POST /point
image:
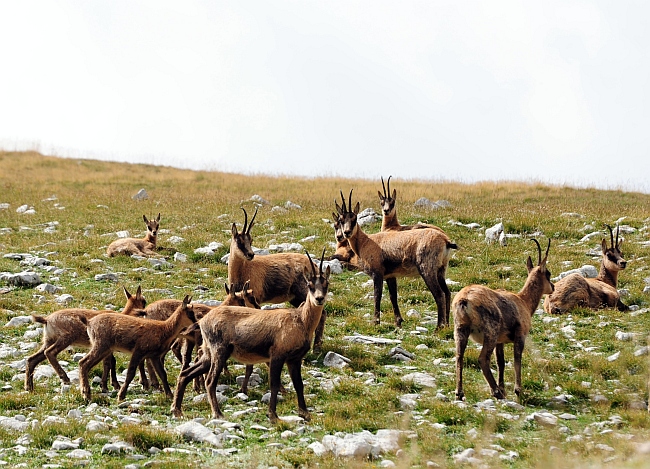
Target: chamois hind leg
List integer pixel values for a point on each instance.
(219, 357)
(461, 336)
(184, 378)
(392, 293)
(153, 380)
(51, 353)
(484, 361)
(442, 281)
(109, 370)
(378, 283)
(501, 365)
(294, 368)
(431, 279)
(518, 349)
(32, 361)
(91, 359)
(275, 369)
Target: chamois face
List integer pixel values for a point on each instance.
(540, 271)
(612, 257)
(317, 282)
(387, 203)
(152, 225)
(138, 300)
(243, 242)
(347, 217)
(338, 228)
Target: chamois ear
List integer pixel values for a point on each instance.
(144, 217)
(603, 245)
(127, 294)
(339, 209)
(138, 292)
(381, 197)
(529, 264)
(187, 300)
(394, 194)
(158, 217)
(356, 209)
(620, 242)
(307, 274)
(234, 230)
(327, 272)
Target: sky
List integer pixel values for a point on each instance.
(553, 91)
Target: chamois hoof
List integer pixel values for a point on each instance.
(273, 417)
(460, 396)
(305, 415)
(398, 322)
(178, 413)
(376, 321)
(499, 394)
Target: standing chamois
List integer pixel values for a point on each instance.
(576, 291)
(65, 328)
(389, 212)
(274, 278)
(496, 317)
(388, 255)
(140, 247)
(140, 337)
(275, 337)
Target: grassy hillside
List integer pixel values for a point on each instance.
(567, 355)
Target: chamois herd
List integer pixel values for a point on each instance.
(239, 329)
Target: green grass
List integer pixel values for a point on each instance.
(201, 207)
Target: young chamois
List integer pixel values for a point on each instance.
(389, 212)
(140, 247)
(576, 291)
(254, 336)
(497, 317)
(344, 252)
(274, 278)
(388, 255)
(65, 328)
(140, 337)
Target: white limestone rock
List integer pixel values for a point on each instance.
(194, 431)
(21, 279)
(334, 360)
(141, 195)
(421, 379)
(492, 234)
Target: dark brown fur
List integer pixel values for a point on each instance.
(65, 328)
(140, 337)
(496, 317)
(576, 291)
(388, 255)
(140, 247)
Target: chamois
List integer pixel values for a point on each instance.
(388, 255)
(496, 317)
(576, 291)
(274, 278)
(64, 328)
(344, 252)
(141, 247)
(140, 337)
(255, 336)
(389, 212)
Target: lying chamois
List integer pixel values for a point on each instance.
(262, 336)
(576, 291)
(388, 255)
(140, 247)
(140, 337)
(389, 212)
(344, 252)
(65, 328)
(496, 317)
(274, 278)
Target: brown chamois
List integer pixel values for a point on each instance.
(389, 212)
(141, 247)
(140, 337)
(388, 255)
(576, 291)
(64, 328)
(254, 336)
(344, 252)
(274, 278)
(496, 317)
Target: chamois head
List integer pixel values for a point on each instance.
(188, 309)
(348, 216)
(152, 225)
(243, 241)
(612, 256)
(318, 283)
(245, 297)
(138, 300)
(338, 228)
(387, 200)
(544, 273)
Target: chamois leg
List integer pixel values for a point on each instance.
(436, 290)
(621, 306)
(162, 373)
(518, 348)
(109, 370)
(378, 282)
(32, 361)
(461, 336)
(294, 368)
(184, 378)
(275, 369)
(501, 365)
(318, 334)
(85, 365)
(219, 357)
(51, 353)
(392, 293)
(177, 350)
(484, 361)
(247, 376)
(199, 381)
(152, 375)
(442, 281)
(136, 358)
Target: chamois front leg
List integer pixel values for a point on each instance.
(501, 365)
(461, 336)
(91, 359)
(378, 283)
(392, 293)
(294, 368)
(158, 365)
(318, 334)
(136, 358)
(621, 306)
(275, 369)
(518, 348)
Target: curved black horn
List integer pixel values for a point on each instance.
(617, 229)
(343, 201)
(539, 252)
(245, 220)
(351, 199)
(389, 185)
(382, 185)
(313, 268)
(322, 258)
(548, 248)
(611, 235)
(253, 219)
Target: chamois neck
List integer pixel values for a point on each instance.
(311, 314)
(389, 221)
(151, 238)
(610, 277)
(531, 293)
(357, 240)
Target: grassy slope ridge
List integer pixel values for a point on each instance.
(201, 206)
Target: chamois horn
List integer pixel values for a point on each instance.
(252, 220)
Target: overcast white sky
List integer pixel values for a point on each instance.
(552, 91)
